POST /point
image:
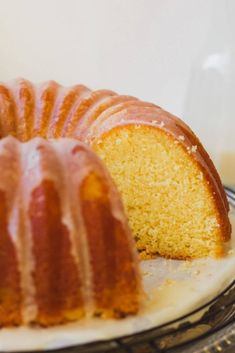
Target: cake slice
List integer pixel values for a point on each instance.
(172, 193)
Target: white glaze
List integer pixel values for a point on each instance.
(72, 217)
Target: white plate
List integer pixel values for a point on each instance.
(174, 288)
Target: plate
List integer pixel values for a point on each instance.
(178, 292)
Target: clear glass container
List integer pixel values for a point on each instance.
(210, 101)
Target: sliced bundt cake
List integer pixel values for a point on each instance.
(171, 190)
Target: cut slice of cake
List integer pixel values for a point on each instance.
(171, 190)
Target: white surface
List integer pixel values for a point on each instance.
(173, 289)
(133, 46)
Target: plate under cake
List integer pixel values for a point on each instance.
(174, 288)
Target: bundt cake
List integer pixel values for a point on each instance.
(171, 190)
(65, 247)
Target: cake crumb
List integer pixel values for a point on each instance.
(169, 282)
(118, 141)
(197, 272)
(181, 138)
(200, 176)
(194, 149)
(146, 256)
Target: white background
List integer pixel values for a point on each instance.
(140, 47)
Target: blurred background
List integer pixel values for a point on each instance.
(177, 54)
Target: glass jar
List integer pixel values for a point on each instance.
(210, 99)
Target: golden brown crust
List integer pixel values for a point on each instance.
(57, 282)
(10, 291)
(75, 128)
(46, 95)
(110, 255)
(64, 108)
(76, 270)
(23, 99)
(8, 123)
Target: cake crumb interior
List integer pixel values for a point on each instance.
(169, 205)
